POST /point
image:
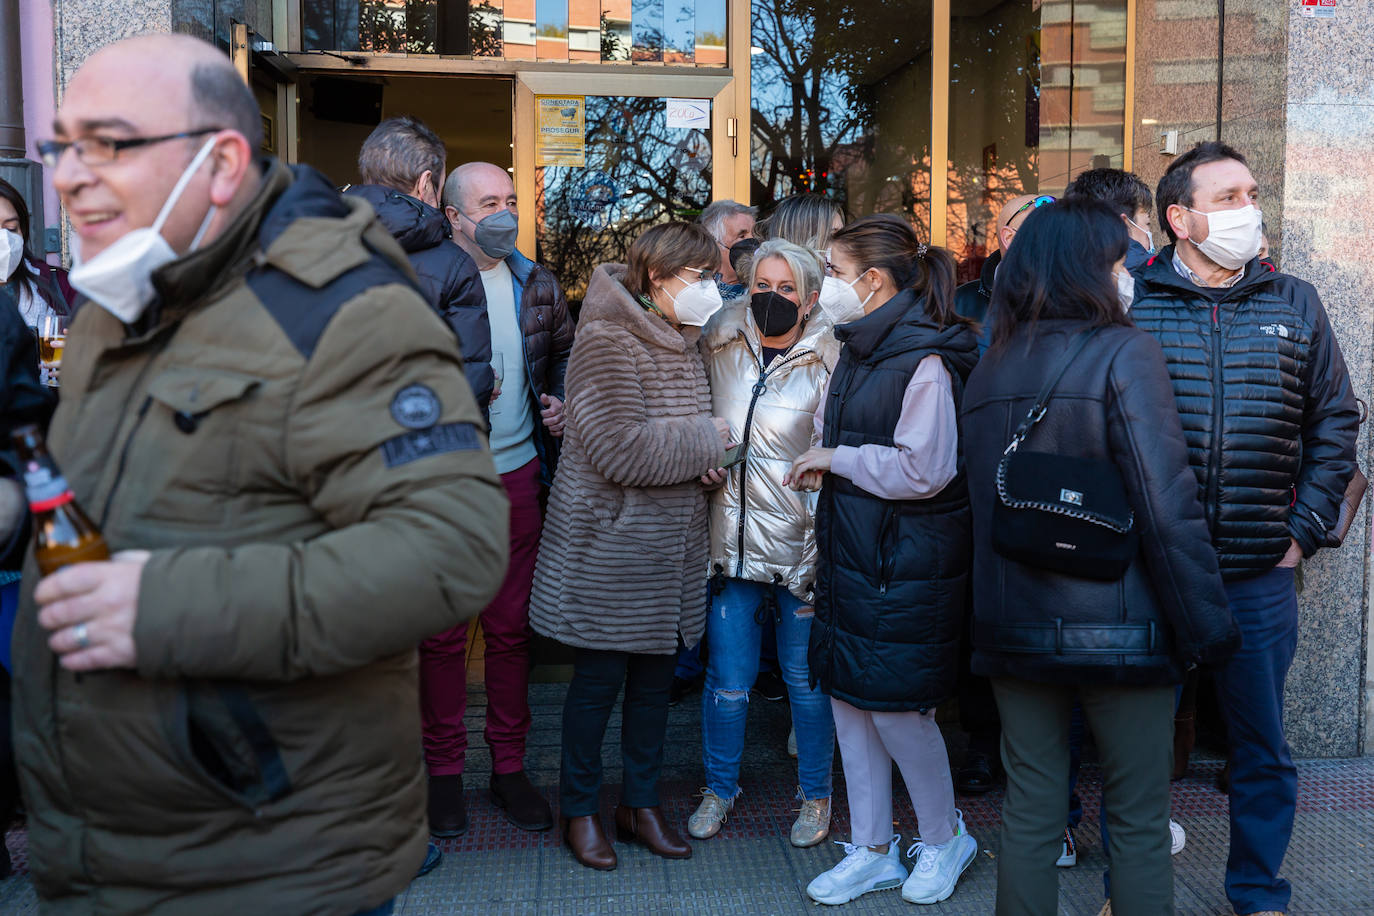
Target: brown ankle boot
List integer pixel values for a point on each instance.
(588, 842)
(647, 827)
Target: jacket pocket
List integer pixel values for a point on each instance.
(226, 745)
(184, 456)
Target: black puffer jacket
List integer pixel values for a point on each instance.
(892, 574)
(1266, 402)
(971, 299)
(448, 277)
(546, 329)
(1113, 403)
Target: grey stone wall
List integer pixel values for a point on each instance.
(1297, 98)
(1329, 171)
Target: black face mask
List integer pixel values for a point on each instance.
(775, 315)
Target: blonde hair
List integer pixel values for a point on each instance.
(802, 262)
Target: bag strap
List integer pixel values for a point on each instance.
(1037, 411)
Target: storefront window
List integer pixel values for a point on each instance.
(843, 108)
(591, 31)
(1037, 95)
(638, 172)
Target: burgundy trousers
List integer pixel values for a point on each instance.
(506, 630)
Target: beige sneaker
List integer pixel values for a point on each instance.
(812, 824)
(1106, 909)
(710, 815)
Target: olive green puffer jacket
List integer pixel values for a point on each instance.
(290, 434)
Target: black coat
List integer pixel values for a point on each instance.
(971, 299)
(891, 574)
(448, 277)
(1114, 403)
(1266, 402)
(24, 399)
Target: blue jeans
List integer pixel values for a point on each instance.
(1264, 782)
(734, 630)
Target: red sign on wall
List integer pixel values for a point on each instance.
(1319, 9)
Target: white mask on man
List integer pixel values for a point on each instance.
(13, 253)
(1125, 289)
(1233, 236)
(120, 278)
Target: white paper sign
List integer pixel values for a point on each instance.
(688, 112)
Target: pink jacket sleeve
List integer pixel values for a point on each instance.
(925, 456)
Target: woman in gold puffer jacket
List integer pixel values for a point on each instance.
(768, 361)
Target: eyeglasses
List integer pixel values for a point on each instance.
(100, 150)
(704, 274)
(1037, 203)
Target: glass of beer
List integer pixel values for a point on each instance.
(52, 338)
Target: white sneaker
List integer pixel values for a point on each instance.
(860, 871)
(938, 868)
(1177, 838)
(1068, 854)
(792, 743)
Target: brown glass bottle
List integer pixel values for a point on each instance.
(62, 533)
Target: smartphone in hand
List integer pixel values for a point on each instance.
(734, 455)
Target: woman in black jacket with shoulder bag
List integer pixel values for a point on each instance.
(1094, 574)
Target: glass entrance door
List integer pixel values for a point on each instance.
(637, 172)
(596, 168)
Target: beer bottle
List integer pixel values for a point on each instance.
(63, 533)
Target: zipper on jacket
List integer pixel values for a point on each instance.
(124, 460)
(1218, 414)
(759, 388)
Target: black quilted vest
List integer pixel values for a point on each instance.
(1239, 359)
(892, 574)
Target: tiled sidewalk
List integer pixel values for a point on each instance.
(751, 869)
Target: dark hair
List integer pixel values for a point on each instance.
(888, 243)
(1060, 266)
(398, 152)
(1122, 190)
(1176, 187)
(21, 208)
(225, 101)
(803, 219)
(666, 249)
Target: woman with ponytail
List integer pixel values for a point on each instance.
(894, 544)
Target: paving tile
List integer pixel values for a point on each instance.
(750, 868)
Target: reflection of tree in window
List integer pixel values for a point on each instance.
(839, 111)
(638, 173)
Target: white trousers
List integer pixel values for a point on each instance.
(869, 742)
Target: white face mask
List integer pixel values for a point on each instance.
(839, 301)
(1125, 289)
(120, 278)
(13, 254)
(697, 303)
(1149, 236)
(1233, 236)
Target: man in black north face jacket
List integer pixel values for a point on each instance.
(1270, 421)
(402, 167)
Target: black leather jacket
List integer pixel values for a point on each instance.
(448, 277)
(1114, 403)
(1266, 402)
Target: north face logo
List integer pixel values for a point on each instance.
(1275, 330)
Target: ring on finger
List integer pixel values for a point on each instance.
(82, 636)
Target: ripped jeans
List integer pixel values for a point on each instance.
(734, 629)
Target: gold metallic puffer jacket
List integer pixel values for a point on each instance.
(761, 530)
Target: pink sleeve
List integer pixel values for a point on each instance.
(925, 456)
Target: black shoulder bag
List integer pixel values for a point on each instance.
(1060, 512)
